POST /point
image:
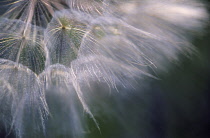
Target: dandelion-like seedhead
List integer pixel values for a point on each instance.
(62, 57)
(64, 35)
(25, 47)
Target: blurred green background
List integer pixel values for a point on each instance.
(176, 106)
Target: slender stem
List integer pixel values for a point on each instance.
(30, 15)
(23, 42)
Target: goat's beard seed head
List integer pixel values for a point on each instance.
(22, 46)
(64, 34)
(60, 57)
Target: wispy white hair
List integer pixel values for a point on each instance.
(96, 54)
